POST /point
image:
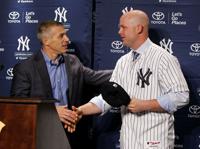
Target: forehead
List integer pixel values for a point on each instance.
(125, 20)
(57, 29)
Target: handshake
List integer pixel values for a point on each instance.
(69, 117)
(111, 92)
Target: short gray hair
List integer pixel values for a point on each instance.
(45, 26)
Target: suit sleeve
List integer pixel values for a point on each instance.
(93, 77)
(96, 77)
(20, 83)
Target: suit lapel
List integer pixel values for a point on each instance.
(43, 72)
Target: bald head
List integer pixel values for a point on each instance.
(137, 17)
(134, 26)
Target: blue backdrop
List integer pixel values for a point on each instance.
(174, 25)
(19, 20)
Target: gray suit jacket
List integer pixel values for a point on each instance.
(31, 78)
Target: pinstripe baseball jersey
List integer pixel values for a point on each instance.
(153, 74)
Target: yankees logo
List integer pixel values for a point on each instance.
(143, 78)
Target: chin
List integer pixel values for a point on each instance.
(64, 50)
(124, 43)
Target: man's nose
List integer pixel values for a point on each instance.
(120, 31)
(67, 39)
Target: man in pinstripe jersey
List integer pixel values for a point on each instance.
(155, 83)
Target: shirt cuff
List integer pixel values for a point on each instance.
(171, 102)
(100, 103)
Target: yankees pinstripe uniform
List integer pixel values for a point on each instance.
(153, 74)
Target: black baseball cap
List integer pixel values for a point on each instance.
(114, 94)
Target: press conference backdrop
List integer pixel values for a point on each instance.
(19, 21)
(174, 25)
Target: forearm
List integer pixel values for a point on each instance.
(96, 77)
(137, 105)
(170, 103)
(152, 105)
(89, 109)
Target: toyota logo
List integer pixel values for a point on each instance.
(10, 72)
(195, 109)
(195, 47)
(13, 15)
(117, 44)
(158, 16)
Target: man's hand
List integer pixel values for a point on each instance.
(68, 117)
(71, 128)
(136, 106)
(78, 111)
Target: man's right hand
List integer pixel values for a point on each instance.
(78, 111)
(68, 117)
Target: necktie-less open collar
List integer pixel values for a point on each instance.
(59, 60)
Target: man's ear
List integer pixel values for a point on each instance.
(140, 28)
(45, 41)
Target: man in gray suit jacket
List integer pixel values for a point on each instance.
(51, 73)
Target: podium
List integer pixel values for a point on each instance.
(31, 123)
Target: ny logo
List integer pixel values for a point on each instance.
(23, 43)
(61, 14)
(143, 78)
(167, 45)
(125, 10)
